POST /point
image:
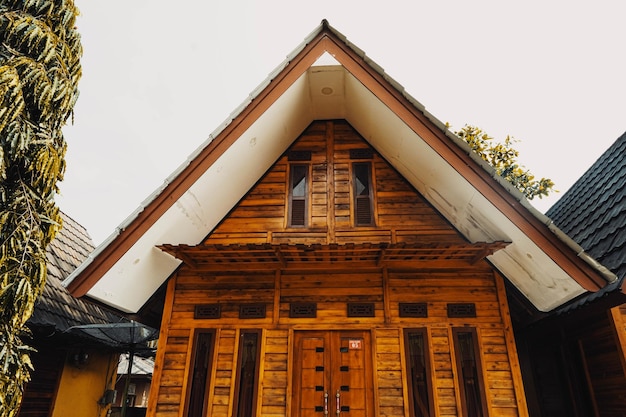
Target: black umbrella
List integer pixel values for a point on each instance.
(127, 336)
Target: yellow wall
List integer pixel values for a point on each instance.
(82, 386)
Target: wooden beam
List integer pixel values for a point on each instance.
(511, 347)
(617, 319)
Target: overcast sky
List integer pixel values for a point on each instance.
(159, 77)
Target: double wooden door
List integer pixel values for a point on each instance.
(333, 374)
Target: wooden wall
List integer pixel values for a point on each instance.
(575, 365)
(400, 212)
(402, 216)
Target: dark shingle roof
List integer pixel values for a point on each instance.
(56, 307)
(593, 210)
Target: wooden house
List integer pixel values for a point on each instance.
(334, 249)
(71, 373)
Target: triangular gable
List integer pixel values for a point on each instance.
(543, 263)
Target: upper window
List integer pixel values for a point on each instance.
(298, 195)
(362, 191)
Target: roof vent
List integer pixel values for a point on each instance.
(207, 311)
(302, 310)
(252, 311)
(413, 309)
(361, 310)
(299, 156)
(461, 310)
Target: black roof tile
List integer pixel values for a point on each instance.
(56, 307)
(593, 210)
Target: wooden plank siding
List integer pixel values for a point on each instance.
(401, 216)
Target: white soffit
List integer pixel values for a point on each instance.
(143, 268)
(535, 274)
(329, 92)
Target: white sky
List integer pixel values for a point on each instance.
(159, 77)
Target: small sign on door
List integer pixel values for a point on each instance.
(355, 344)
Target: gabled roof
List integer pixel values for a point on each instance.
(593, 210)
(327, 77)
(56, 309)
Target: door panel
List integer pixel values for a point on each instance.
(332, 374)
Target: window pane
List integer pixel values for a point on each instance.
(298, 180)
(298, 195)
(362, 179)
(363, 213)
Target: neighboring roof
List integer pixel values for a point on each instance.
(593, 210)
(56, 308)
(140, 366)
(327, 77)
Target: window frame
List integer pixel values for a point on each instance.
(369, 197)
(255, 381)
(305, 198)
(482, 397)
(423, 332)
(210, 357)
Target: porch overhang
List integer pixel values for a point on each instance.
(307, 257)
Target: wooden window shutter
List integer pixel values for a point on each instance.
(362, 189)
(298, 212)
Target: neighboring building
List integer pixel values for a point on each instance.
(138, 385)
(333, 248)
(71, 372)
(576, 361)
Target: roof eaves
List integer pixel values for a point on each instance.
(615, 286)
(181, 168)
(515, 193)
(606, 274)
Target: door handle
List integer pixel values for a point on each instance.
(325, 403)
(338, 396)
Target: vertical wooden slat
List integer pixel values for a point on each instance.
(161, 348)
(290, 370)
(403, 363)
(588, 379)
(482, 368)
(620, 333)
(511, 347)
(276, 312)
(330, 178)
(386, 296)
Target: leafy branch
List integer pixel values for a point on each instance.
(40, 54)
(503, 157)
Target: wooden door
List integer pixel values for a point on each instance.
(333, 376)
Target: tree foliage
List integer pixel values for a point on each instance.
(502, 156)
(40, 54)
